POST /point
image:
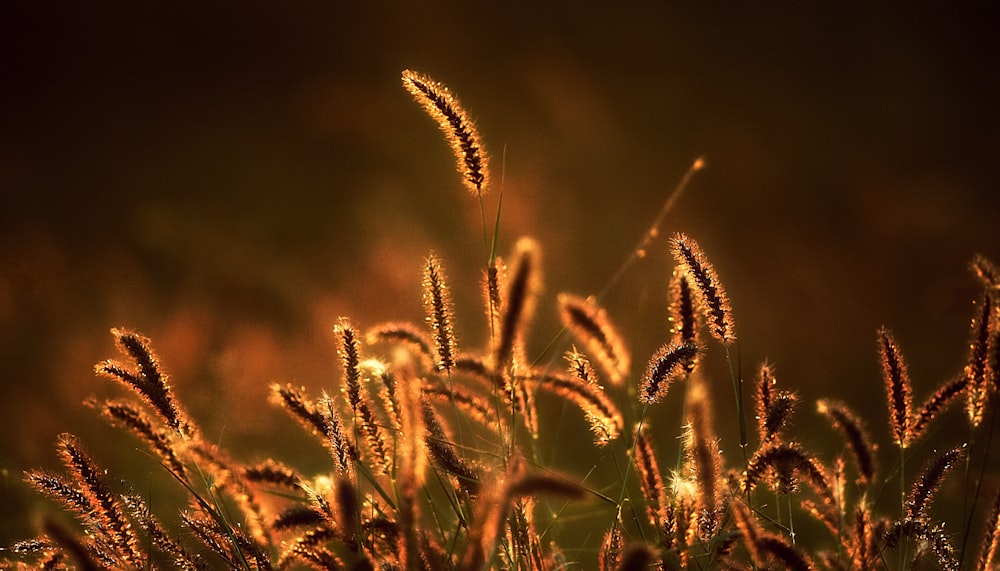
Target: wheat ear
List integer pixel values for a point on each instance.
(457, 126)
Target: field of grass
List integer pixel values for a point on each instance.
(486, 434)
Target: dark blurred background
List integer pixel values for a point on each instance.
(229, 179)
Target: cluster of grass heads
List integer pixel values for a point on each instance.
(433, 446)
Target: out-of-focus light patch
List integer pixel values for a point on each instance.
(375, 367)
(184, 342)
(246, 366)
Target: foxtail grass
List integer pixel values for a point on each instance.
(433, 455)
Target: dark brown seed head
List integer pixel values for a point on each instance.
(665, 365)
(712, 296)
(897, 382)
(519, 303)
(457, 126)
(918, 502)
(590, 325)
(977, 369)
(437, 304)
(854, 432)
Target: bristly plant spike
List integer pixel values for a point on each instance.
(855, 434)
(670, 361)
(403, 489)
(897, 382)
(457, 126)
(519, 302)
(147, 380)
(682, 316)
(437, 303)
(713, 298)
(590, 325)
(978, 373)
(918, 501)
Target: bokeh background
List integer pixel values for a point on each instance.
(229, 179)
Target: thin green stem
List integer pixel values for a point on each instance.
(738, 393)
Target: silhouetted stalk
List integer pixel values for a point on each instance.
(738, 392)
(967, 515)
(902, 503)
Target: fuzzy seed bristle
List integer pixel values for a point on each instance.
(606, 421)
(610, 555)
(919, 499)
(898, 387)
(126, 416)
(784, 461)
(991, 537)
(274, 473)
(405, 333)
(703, 451)
(977, 370)
(778, 414)
(664, 366)
(457, 126)
(437, 303)
(986, 271)
(441, 449)
(936, 404)
(765, 388)
(147, 380)
(494, 282)
(519, 302)
(108, 510)
(712, 296)
(682, 314)
(857, 437)
(591, 326)
(650, 479)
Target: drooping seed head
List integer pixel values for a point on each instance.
(456, 125)
(591, 326)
